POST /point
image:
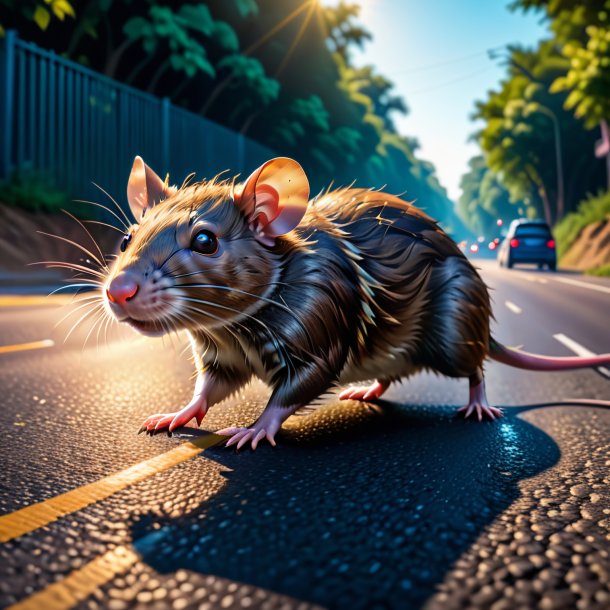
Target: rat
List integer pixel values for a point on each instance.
(354, 285)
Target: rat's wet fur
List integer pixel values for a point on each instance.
(367, 286)
(366, 283)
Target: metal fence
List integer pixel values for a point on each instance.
(63, 120)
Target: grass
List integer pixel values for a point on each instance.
(589, 211)
(603, 271)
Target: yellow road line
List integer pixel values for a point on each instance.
(80, 584)
(32, 517)
(25, 300)
(22, 347)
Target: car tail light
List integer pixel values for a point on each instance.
(550, 243)
(492, 245)
(514, 243)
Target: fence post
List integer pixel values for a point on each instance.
(165, 134)
(7, 94)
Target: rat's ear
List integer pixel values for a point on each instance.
(274, 198)
(145, 188)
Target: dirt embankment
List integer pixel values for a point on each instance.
(591, 249)
(22, 246)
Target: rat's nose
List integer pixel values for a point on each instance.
(122, 288)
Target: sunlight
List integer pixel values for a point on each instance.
(366, 6)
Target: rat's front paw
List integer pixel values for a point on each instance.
(261, 429)
(160, 421)
(242, 435)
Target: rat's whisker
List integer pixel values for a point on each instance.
(82, 319)
(186, 274)
(93, 240)
(76, 245)
(80, 276)
(236, 290)
(107, 209)
(282, 306)
(119, 208)
(90, 301)
(71, 266)
(99, 316)
(109, 320)
(82, 285)
(209, 337)
(183, 316)
(105, 224)
(274, 338)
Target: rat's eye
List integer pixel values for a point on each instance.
(204, 242)
(125, 242)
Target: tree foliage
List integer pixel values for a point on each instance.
(282, 72)
(38, 12)
(533, 136)
(344, 30)
(588, 78)
(484, 199)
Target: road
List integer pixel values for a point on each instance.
(398, 505)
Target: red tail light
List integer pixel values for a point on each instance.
(550, 243)
(514, 243)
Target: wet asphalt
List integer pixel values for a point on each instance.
(394, 505)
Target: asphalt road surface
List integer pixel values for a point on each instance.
(398, 505)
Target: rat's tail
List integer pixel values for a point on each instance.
(535, 362)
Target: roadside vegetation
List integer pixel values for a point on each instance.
(591, 210)
(603, 271)
(544, 144)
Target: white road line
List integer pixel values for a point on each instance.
(533, 278)
(588, 285)
(580, 350)
(514, 308)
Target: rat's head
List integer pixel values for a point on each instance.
(205, 254)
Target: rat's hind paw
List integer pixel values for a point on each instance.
(171, 421)
(371, 392)
(481, 411)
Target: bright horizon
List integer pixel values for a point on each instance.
(437, 57)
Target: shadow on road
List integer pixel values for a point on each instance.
(358, 507)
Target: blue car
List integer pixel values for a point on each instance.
(528, 241)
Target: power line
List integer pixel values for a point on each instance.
(447, 62)
(451, 82)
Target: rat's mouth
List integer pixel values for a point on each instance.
(153, 327)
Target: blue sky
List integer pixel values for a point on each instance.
(435, 52)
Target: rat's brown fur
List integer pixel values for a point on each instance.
(366, 286)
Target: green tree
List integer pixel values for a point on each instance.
(245, 75)
(539, 148)
(344, 31)
(484, 199)
(38, 12)
(588, 83)
(282, 72)
(582, 31)
(368, 83)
